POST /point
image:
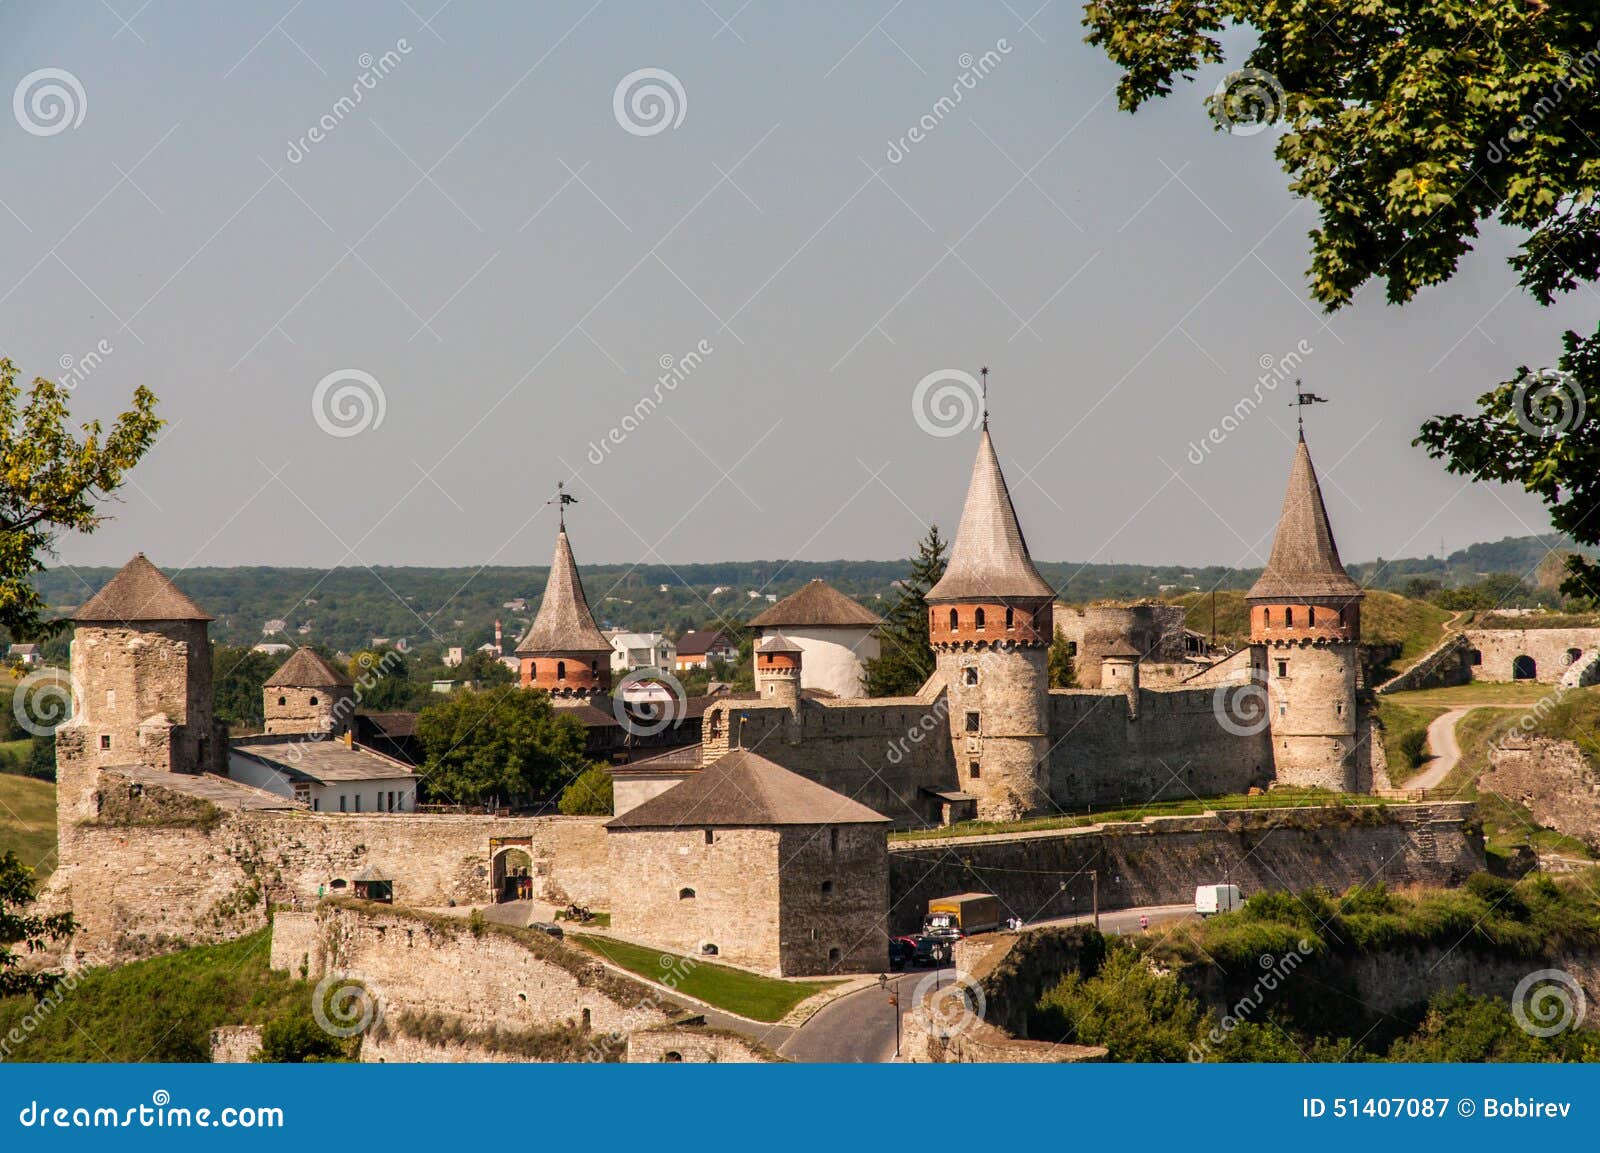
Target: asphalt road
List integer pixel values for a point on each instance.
(859, 1027)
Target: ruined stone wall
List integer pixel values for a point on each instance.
(834, 899)
(684, 889)
(883, 753)
(1176, 747)
(1161, 860)
(1550, 649)
(497, 977)
(307, 710)
(1552, 779)
(697, 1044)
(160, 870)
(1154, 630)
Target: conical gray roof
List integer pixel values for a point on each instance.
(989, 559)
(744, 788)
(564, 623)
(139, 592)
(305, 670)
(1305, 559)
(817, 603)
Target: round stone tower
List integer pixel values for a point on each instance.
(1305, 622)
(308, 695)
(989, 621)
(778, 671)
(564, 652)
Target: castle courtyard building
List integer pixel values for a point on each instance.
(836, 634)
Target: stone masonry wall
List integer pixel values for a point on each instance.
(1102, 754)
(834, 893)
(1552, 779)
(690, 1043)
(1161, 860)
(732, 889)
(158, 875)
(513, 980)
(1549, 648)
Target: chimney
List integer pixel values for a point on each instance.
(499, 645)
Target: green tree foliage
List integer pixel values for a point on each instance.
(589, 795)
(296, 1039)
(237, 675)
(1408, 125)
(30, 930)
(51, 480)
(500, 744)
(1462, 1027)
(485, 670)
(906, 658)
(384, 682)
(1062, 673)
(1135, 1012)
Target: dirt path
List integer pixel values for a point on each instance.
(1446, 752)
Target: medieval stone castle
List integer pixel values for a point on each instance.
(765, 843)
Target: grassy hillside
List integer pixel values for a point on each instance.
(1386, 618)
(28, 821)
(162, 1009)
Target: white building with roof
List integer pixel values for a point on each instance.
(642, 651)
(836, 635)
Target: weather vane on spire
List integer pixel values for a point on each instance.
(1301, 399)
(984, 372)
(561, 500)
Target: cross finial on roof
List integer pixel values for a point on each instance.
(561, 500)
(984, 372)
(1301, 399)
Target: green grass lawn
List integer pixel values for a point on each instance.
(1399, 722)
(1476, 693)
(747, 994)
(1276, 799)
(162, 1009)
(28, 821)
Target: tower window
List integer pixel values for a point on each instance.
(1266, 618)
(1283, 668)
(973, 770)
(283, 700)
(1288, 618)
(833, 840)
(954, 620)
(1341, 617)
(710, 837)
(313, 701)
(834, 956)
(685, 894)
(977, 620)
(969, 675)
(561, 670)
(1010, 619)
(827, 887)
(1338, 708)
(105, 740)
(972, 723)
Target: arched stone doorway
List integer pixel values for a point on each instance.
(511, 874)
(1524, 669)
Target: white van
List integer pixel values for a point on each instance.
(1210, 899)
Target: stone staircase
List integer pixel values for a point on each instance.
(1443, 658)
(1423, 838)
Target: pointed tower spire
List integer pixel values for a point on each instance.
(1305, 559)
(564, 623)
(989, 559)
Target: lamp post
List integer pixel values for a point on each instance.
(894, 999)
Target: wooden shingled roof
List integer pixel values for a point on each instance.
(817, 604)
(1305, 559)
(139, 592)
(742, 788)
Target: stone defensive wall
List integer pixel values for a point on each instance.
(482, 979)
(1552, 779)
(1110, 749)
(882, 752)
(1496, 654)
(159, 870)
(1161, 860)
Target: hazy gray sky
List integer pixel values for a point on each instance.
(485, 238)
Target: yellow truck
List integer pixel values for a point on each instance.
(964, 913)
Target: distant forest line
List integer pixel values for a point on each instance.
(346, 608)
